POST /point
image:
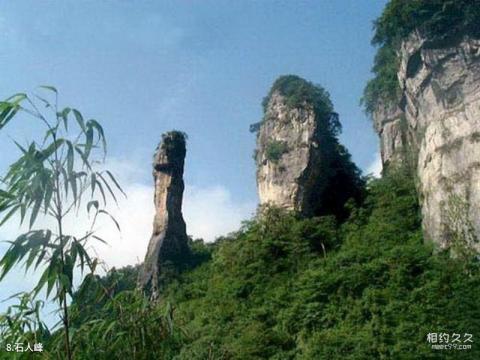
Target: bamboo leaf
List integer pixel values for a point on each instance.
(50, 133)
(108, 187)
(100, 239)
(16, 98)
(14, 254)
(41, 282)
(48, 198)
(35, 210)
(115, 182)
(93, 182)
(10, 214)
(23, 212)
(101, 135)
(52, 148)
(44, 101)
(48, 87)
(81, 253)
(40, 258)
(8, 111)
(70, 157)
(64, 116)
(65, 179)
(31, 258)
(112, 218)
(93, 203)
(22, 149)
(73, 184)
(83, 157)
(100, 187)
(88, 142)
(52, 277)
(93, 265)
(78, 116)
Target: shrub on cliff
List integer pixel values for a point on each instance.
(437, 20)
(275, 150)
(299, 93)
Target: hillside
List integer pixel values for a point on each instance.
(289, 288)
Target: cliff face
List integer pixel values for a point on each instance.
(287, 155)
(169, 241)
(436, 128)
(300, 164)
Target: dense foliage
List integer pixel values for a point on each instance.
(437, 20)
(174, 144)
(285, 287)
(290, 288)
(275, 149)
(300, 93)
(344, 183)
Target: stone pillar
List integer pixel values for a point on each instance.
(301, 165)
(169, 242)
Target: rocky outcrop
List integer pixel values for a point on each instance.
(168, 245)
(436, 128)
(287, 156)
(298, 155)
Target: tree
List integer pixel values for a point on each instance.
(55, 177)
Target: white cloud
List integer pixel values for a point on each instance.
(208, 211)
(375, 167)
(135, 216)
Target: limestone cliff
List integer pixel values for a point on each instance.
(169, 242)
(435, 127)
(298, 155)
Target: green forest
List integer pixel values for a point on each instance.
(283, 287)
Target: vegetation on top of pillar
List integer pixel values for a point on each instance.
(300, 93)
(336, 179)
(174, 144)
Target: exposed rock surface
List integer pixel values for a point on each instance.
(169, 241)
(282, 181)
(436, 128)
(298, 155)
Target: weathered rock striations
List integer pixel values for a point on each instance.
(287, 144)
(169, 241)
(298, 155)
(435, 127)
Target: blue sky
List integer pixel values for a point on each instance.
(146, 67)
